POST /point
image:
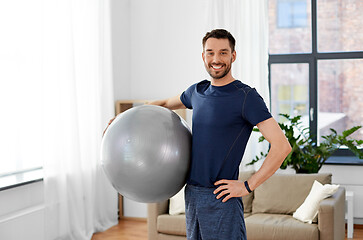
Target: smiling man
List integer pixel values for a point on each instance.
(224, 112)
(218, 60)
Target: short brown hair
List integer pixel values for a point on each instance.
(220, 34)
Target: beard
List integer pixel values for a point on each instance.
(219, 74)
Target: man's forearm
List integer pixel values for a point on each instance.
(161, 103)
(172, 103)
(272, 163)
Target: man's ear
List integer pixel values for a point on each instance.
(203, 56)
(234, 55)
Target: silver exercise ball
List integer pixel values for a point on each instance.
(145, 153)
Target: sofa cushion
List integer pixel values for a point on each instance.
(247, 200)
(279, 227)
(174, 225)
(284, 193)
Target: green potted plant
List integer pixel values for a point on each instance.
(306, 155)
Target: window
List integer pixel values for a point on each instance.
(285, 35)
(289, 85)
(291, 14)
(317, 71)
(20, 88)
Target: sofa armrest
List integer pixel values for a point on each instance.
(153, 211)
(331, 216)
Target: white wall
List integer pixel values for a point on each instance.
(152, 66)
(22, 212)
(121, 42)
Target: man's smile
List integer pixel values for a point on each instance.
(217, 67)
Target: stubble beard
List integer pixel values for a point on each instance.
(219, 75)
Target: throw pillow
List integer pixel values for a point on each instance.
(177, 203)
(309, 209)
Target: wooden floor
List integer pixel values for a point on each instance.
(125, 230)
(137, 230)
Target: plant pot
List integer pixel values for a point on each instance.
(302, 170)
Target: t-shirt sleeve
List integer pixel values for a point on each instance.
(254, 108)
(186, 97)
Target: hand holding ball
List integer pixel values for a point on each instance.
(145, 153)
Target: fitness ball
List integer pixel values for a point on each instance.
(145, 153)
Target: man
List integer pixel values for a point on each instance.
(224, 113)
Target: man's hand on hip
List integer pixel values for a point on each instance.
(230, 188)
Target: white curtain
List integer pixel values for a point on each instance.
(247, 20)
(77, 104)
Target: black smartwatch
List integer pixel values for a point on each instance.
(247, 187)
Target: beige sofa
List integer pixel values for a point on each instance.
(268, 212)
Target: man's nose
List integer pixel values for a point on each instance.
(216, 58)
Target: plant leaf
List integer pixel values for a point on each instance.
(348, 132)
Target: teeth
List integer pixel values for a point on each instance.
(215, 67)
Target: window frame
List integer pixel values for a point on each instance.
(312, 60)
(21, 177)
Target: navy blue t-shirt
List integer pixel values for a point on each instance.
(223, 118)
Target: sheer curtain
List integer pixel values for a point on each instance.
(247, 20)
(77, 104)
